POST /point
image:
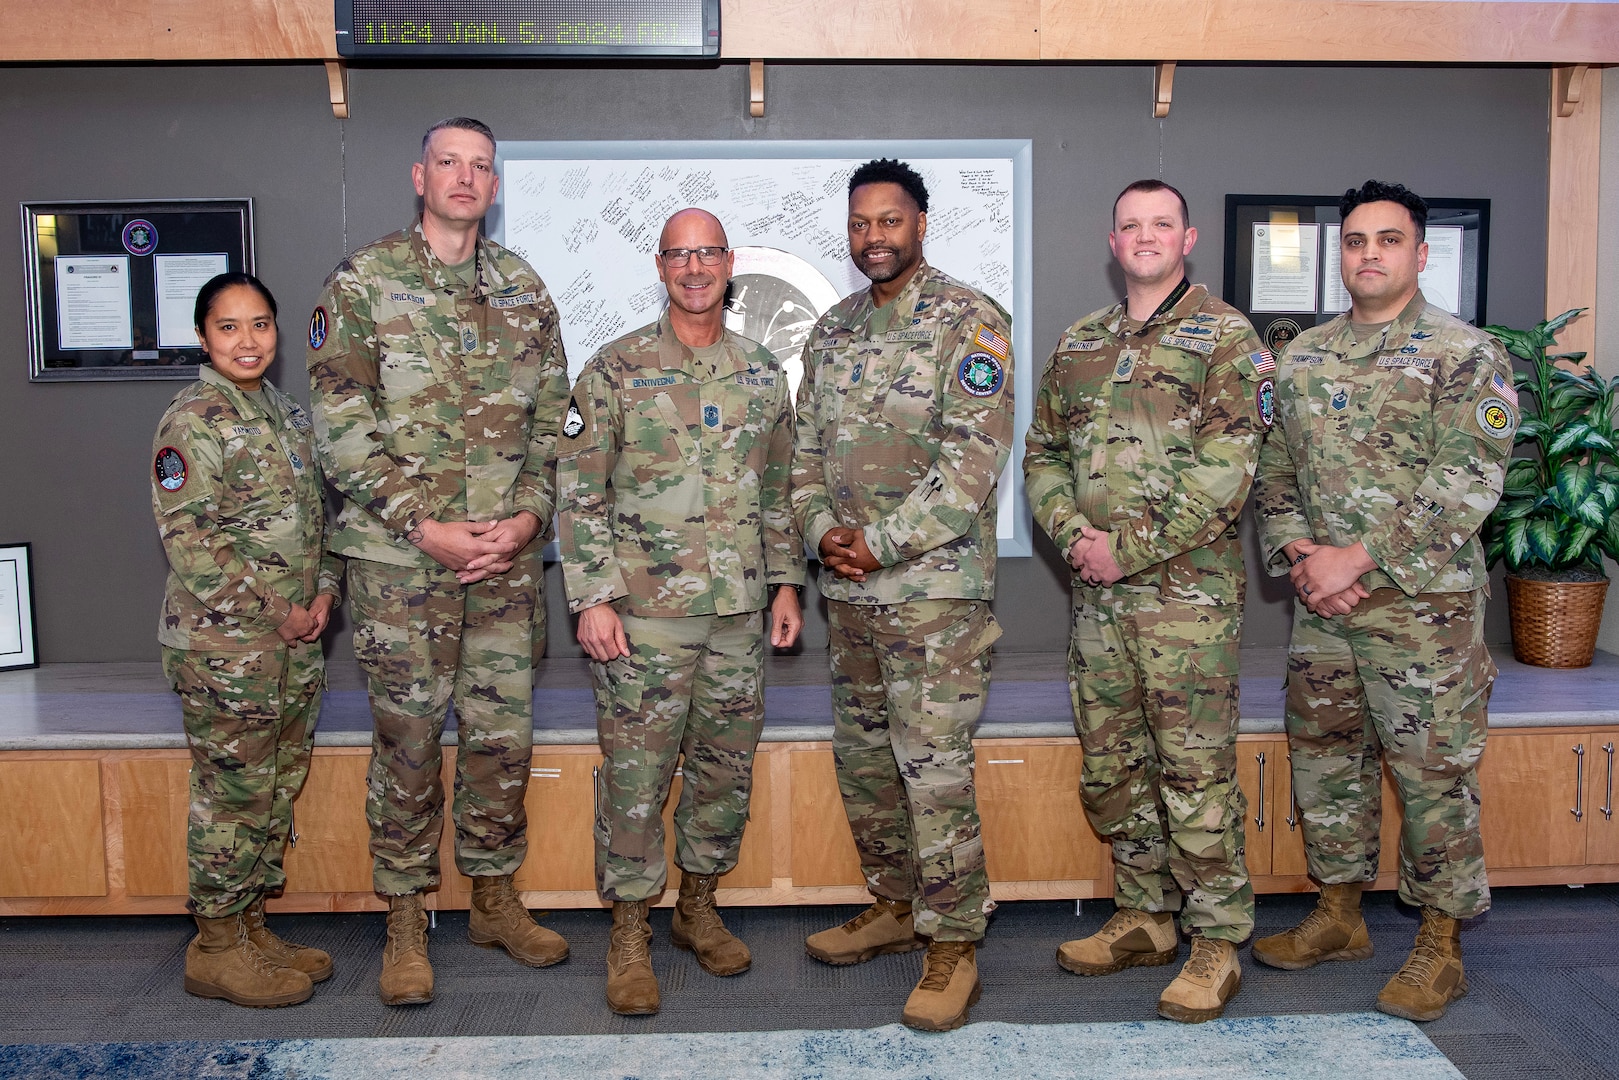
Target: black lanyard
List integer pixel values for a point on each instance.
(1169, 303)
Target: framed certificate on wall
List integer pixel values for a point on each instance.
(19, 639)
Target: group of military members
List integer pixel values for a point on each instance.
(687, 487)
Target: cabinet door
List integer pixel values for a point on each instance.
(561, 806)
(1260, 768)
(52, 841)
(1601, 815)
(1529, 785)
(333, 852)
(154, 797)
(1034, 824)
(823, 848)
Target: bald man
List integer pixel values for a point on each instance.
(676, 536)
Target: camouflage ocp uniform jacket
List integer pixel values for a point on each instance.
(1399, 442)
(433, 399)
(237, 496)
(1152, 433)
(672, 478)
(903, 433)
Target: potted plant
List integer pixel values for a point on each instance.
(1556, 518)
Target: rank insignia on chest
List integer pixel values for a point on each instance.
(1339, 400)
(469, 339)
(855, 372)
(1125, 367)
(980, 374)
(574, 423)
(171, 469)
(297, 462)
(711, 415)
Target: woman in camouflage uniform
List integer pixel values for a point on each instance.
(237, 495)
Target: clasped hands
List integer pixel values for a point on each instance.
(477, 549)
(844, 552)
(1327, 578)
(1091, 556)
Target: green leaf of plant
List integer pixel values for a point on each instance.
(1575, 481)
(1574, 543)
(1596, 440)
(1532, 428)
(1610, 537)
(1544, 540)
(1571, 436)
(1518, 342)
(1592, 512)
(1523, 478)
(1516, 541)
(1557, 322)
(1513, 508)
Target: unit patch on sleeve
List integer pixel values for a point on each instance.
(574, 422)
(1265, 398)
(980, 374)
(1495, 418)
(170, 467)
(317, 328)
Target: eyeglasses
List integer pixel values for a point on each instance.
(708, 256)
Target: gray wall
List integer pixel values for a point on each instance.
(79, 454)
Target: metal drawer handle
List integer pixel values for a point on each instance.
(1579, 782)
(1292, 818)
(1607, 809)
(1259, 818)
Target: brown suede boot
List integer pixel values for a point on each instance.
(407, 977)
(1432, 976)
(1131, 938)
(316, 963)
(632, 988)
(221, 962)
(698, 928)
(949, 987)
(499, 918)
(884, 927)
(1210, 978)
(1334, 930)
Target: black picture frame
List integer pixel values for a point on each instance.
(19, 630)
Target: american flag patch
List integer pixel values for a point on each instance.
(990, 341)
(1499, 383)
(1264, 362)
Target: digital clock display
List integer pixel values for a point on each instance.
(528, 28)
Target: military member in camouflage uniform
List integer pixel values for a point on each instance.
(1139, 459)
(1394, 424)
(438, 373)
(238, 499)
(904, 426)
(673, 470)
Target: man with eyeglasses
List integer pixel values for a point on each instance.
(676, 533)
(904, 426)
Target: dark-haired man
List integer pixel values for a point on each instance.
(438, 380)
(1394, 424)
(904, 426)
(1139, 459)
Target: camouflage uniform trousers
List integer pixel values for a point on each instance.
(1408, 679)
(1154, 689)
(250, 722)
(693, 688)
(422, 638)
(908, 684)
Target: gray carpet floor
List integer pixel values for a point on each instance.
(1543, 967)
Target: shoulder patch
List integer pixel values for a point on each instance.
(1264, 362)
(1265, 399)
(980, 374)
(317, 328)
(992, 343)
(170, 467)
(1495, 418)
(574, 422)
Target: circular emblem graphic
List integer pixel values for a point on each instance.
(775, 298)
(981, 374)
(1280, 333)
(170, 468)
(1265, 398)
(574, 423)
(140, 237)
(1495, 418)
(317, 328)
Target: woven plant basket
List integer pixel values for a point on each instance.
(1555, 623)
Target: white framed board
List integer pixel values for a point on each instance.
(586, 215)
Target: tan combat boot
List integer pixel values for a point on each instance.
(407, 977)
(884, 927)
(632, 988)
(1334, 930)
(949, 987)
(697, 927)
(316, 963)
(1432, 976)
(221, 962)
(499, 918)
(1131, 938)
(1210, 978)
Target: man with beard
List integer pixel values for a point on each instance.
(904, 426)
(673, 470)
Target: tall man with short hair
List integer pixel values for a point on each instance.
(1140, 456)
(904, 426)
(435, 357)
(1395, 423)
(676, 531)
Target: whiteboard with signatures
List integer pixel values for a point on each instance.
(586, 215)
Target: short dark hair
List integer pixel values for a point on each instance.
(890, 171)
(464, 123)
(218, 284)
(1377, 191)
(1149, 186)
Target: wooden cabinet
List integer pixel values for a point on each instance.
(1543, 798)
(52, 843)
(1288, 859)
(1034, 824)
(1601, 815)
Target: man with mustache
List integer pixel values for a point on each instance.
(1394, 422)
(1139, 459)
(904, 426)
(673, 468)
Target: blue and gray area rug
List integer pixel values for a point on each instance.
(1291, 1047)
